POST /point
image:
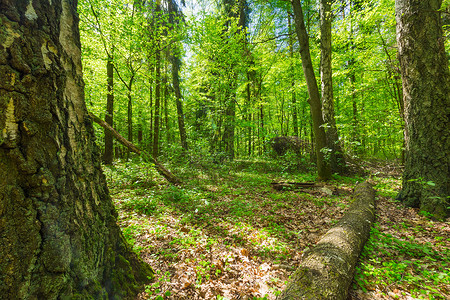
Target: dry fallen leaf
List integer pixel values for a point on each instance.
(244, 252)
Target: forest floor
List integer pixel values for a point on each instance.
(227, 234)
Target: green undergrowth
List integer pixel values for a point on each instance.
(405, 254)
(233, 206)
(388, 260)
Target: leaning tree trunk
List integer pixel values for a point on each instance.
(323, 167)
(131, 147)
(58, 233)
(326, 271)
(426, 95)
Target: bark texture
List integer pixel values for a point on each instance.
(58, 233)
(326, 271)
(323, 167)
(426, 96)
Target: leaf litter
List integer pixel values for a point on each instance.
(237, 238)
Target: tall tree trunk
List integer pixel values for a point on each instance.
(130, 111)
(235, 10)
(150, 83)
(294, 100)
(426, 94)
(108, 155)
(173, 13)
(356, 140)
(323, 167)
(157, 117)
(248, 113)
(180, 114)
(337, 161)
(229, 123)
(59, 238)
(166, 105)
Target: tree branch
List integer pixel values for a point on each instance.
(159, 167)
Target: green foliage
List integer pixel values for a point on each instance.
(141, 205)
(250, 70)
(392, 260)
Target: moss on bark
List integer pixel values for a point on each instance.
(59, 238)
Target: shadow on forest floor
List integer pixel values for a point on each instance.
(226, 234)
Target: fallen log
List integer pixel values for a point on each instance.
(292, 185)
(326, 271)
(158, 166)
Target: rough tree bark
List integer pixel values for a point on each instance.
(323, 167)
(426, 95)
(326, 271)
(58, 233)
(337, 161)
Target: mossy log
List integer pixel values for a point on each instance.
(326, 271)
(159, 167)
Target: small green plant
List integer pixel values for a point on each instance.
(154, 290)
(141, 205)
(389, 260)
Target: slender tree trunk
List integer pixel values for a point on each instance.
(323, 166)
(157, 117)
(166, 107)
(228, 137)
(356, 141)
(294, 100)
(180, 114)
(248, 113)
(109, 116)
(59, 238)
(130, 112)
(150, 82)
(337, 161)
(261, 127)
(229, 123)
(426, 94)
(140, 130)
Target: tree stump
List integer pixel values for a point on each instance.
(327, 270)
